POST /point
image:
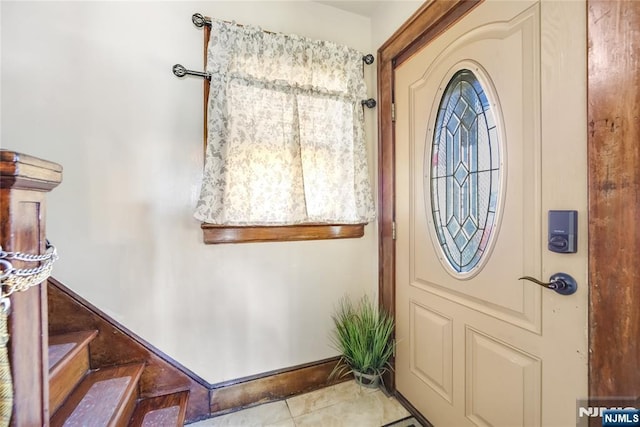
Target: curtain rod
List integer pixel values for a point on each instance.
(181, 71)
(200, 21)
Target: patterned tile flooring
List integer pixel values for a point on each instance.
(341, 405)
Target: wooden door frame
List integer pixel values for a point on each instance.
(613, 99)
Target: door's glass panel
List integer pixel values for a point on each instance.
(464, 176)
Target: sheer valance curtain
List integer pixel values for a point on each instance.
(286, 138)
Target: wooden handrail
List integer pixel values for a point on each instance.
(24, 182)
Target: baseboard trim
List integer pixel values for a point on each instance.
(271, 386)
(412, 410)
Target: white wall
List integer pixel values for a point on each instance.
(89, 85)
(387, 16)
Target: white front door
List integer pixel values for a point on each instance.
(503, 95)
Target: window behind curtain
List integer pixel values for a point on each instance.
(285, 131)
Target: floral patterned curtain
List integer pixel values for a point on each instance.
(285, 131)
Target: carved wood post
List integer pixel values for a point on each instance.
(24, 182)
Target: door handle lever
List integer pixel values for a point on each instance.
(562, 283)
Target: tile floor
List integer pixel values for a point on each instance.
(344, 404)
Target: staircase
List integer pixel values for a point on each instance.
(82, 396)
(71, 364)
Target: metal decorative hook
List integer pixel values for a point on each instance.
(562, 283)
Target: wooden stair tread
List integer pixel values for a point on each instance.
(64, 346)
(104, 398)
(68, 364)
(161, 411)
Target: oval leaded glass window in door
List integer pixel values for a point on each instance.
(465, 173)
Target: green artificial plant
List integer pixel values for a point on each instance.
(363, 335)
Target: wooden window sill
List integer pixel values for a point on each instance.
(214, 234)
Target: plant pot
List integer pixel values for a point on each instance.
(367, 380)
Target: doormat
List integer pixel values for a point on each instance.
(405, 422)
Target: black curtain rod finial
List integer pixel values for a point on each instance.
(369, 103)
(368, 59)
(199, 20)
(180, 71)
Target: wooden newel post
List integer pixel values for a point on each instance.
(24, 182)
